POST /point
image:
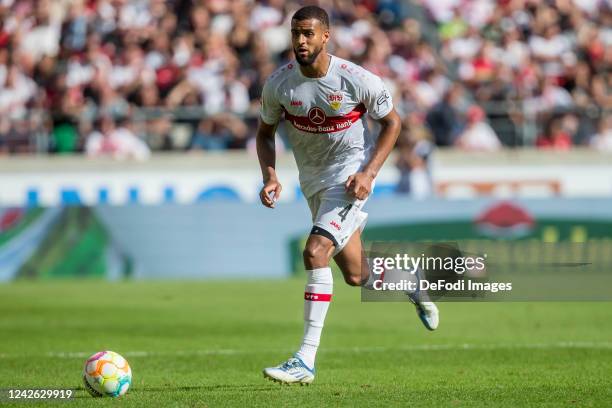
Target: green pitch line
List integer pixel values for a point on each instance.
(202, 344)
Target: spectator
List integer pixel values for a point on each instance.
(602, 141)
(442, 118)
(118, 142)
(413, 160)
(478, 135)
(219, 132)
(16, 90)
(554, 137)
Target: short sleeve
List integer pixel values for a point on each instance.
(271, 110)
(376, 97)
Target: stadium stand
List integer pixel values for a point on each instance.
(187, 74)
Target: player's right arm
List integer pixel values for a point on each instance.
(266, 149)
(266, 152)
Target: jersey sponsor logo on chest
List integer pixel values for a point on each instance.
(316, 115)
(316, 121)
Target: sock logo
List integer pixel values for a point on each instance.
(317, 297)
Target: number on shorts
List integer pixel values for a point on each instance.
(344, 212)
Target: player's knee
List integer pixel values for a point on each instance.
(352, 280)
(316, 254)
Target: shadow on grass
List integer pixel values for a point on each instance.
(216, 387)
(203, 388)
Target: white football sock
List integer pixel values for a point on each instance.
(317, 295)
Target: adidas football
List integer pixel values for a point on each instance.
(107, 374)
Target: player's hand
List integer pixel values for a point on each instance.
(270, 193)
(359, 185)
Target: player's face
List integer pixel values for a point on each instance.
(308, 38)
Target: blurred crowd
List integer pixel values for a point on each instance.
(125, 77)
(554, 56)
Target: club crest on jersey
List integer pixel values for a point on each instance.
(335, 100)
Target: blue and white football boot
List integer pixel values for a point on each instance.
(425, 308)
(427, 312)
(292, 371)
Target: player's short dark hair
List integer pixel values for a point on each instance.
(308, 12)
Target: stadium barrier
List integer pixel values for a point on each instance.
(517, 123)
(196, 178)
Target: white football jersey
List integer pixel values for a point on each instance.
(326, 119)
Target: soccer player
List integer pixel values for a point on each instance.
(325, 99)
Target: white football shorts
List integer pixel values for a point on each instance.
(336, 215)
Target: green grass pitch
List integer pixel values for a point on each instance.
(203, 344)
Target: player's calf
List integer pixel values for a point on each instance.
(352, 263)
(353, 280)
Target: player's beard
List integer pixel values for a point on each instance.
(308, 60)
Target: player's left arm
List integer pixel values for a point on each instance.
(360, 184)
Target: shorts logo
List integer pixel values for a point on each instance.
(335, 100)
(335, 225)
(316, 115)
